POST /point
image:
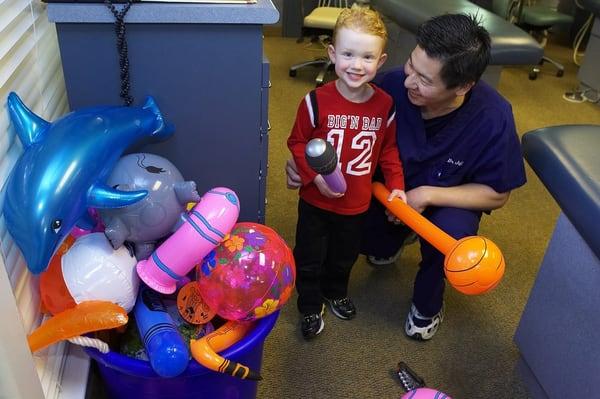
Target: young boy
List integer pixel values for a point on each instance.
(357, 118)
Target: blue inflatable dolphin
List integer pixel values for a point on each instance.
(62, 171)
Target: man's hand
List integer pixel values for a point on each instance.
(472, 196)
(324, 188)
(418, 198)
(293, 178)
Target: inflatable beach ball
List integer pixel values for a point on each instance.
(249, 275)
(93, 270)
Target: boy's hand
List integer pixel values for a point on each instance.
(293, 177)
(324, 188)
(395, 194)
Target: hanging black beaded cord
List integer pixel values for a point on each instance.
(122, 48)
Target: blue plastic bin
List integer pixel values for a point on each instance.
(127, 378)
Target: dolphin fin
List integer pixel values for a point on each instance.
(29, 127)
(163, 129)
(103, 196)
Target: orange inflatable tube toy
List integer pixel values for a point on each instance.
(204, 350)
(473, 265)
(86, 317)
(53, 290)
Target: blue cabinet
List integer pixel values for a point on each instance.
(204, 65)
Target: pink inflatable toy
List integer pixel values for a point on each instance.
(425, 393)
(77, 232)
(205, 226)
(248, 276)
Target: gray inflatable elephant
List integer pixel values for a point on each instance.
(158, 214)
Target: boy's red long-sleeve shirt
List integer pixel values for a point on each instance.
(363, 135)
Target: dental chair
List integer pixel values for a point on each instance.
(535, 19)
(557, 335)
(319, 24)
(588, 76)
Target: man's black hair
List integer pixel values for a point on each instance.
(460, 43)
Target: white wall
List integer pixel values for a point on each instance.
(30, 66)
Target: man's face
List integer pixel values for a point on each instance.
(424, 83)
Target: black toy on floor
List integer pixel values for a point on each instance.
(408, 378)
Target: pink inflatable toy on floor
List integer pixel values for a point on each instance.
(425, 393)
(414, 385)
(204, 228)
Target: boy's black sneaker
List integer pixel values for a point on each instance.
(342, 308)
(313, 324)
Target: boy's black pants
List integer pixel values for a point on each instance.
(327, 245)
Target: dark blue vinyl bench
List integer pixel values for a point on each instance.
(558, 335)
(510, 44)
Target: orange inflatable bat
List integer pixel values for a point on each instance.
(204, 350)
(86, 317)
(473, 265)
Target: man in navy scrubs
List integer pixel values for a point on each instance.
(460, 151)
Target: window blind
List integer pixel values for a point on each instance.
(30, 66)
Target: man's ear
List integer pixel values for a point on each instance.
(464, 89)
(382, 60)
(331, 53)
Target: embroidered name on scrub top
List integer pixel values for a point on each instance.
(434, 126)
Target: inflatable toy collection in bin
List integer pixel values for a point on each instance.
(93, 282)
(125, 377)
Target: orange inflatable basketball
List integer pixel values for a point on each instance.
(474, 266)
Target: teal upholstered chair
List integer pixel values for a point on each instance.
(537, 19)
